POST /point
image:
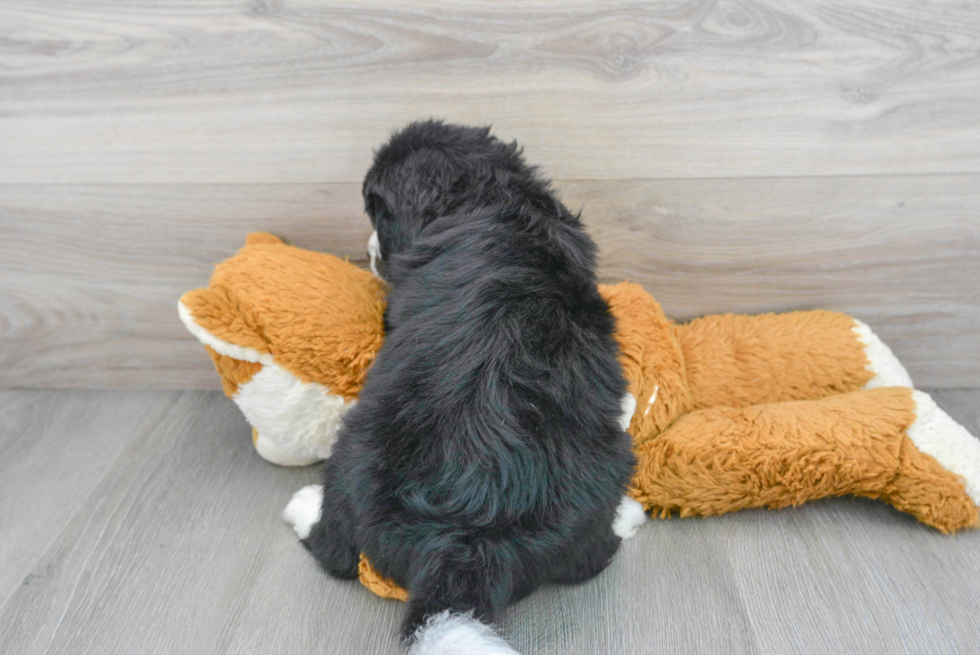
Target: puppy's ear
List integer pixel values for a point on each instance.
(376, 208)
(393, 235)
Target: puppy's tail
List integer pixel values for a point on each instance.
(454, 633)
(452, 601)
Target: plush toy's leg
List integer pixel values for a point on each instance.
(884, 366)
(735, 360)
(937, 434)
(297, 422)
(881, 443)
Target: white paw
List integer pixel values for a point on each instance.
(303, 510)
(935, 433)
(374, 252)
(629, 517)
(628, 405)
(888, 371)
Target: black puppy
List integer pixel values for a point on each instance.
(487, 454)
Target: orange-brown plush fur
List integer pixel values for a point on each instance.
(318, 316)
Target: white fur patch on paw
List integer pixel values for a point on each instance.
(303, 510)
(449, 633)
(374, 252)
(935, 433)
(629, 517)
(888, 371)
(628, 405)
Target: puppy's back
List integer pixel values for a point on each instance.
(492, 412)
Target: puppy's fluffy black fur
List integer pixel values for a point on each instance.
(484, 457)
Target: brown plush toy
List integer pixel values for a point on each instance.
(731, 411)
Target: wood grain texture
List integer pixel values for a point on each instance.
(902, 254)
(161, 553)
(178, 547)
(266, 91)
(90, 276)
(871, 579)
(56, 449)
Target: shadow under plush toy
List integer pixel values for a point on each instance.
(731, 411)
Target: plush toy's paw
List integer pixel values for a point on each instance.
(935, 433)
(628, 405)
(888, 371)
(270, 451)
(299, 420)
(629, 517)
(303, 511)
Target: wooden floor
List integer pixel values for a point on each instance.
(143, 522)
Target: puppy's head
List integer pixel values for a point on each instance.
(431, 169)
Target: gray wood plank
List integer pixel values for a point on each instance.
(669, 590)
(179, 548)
(56, 449)
(855, 576)
(902, 254)
(259, 92)
(162, 549)
(633, 607)
(90, 275)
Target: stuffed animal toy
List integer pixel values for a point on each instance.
(292, 334)
(730, 411)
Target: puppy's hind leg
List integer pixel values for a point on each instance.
(324, 520)
(628, 519)
(592, 562)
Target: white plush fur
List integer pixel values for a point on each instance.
(303, 510)
(374, 252)
(297, 421)
(629, 517)
(888, 371)
(271, 451)
(935, 433)
(301, 417)
(448, 633)
(220, 346)
(628, 406)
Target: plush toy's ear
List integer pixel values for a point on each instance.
(319, 317)
(255, 238)
(218, 318)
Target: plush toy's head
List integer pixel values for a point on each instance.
(292, 334)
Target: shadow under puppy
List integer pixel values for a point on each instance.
(487, 453)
